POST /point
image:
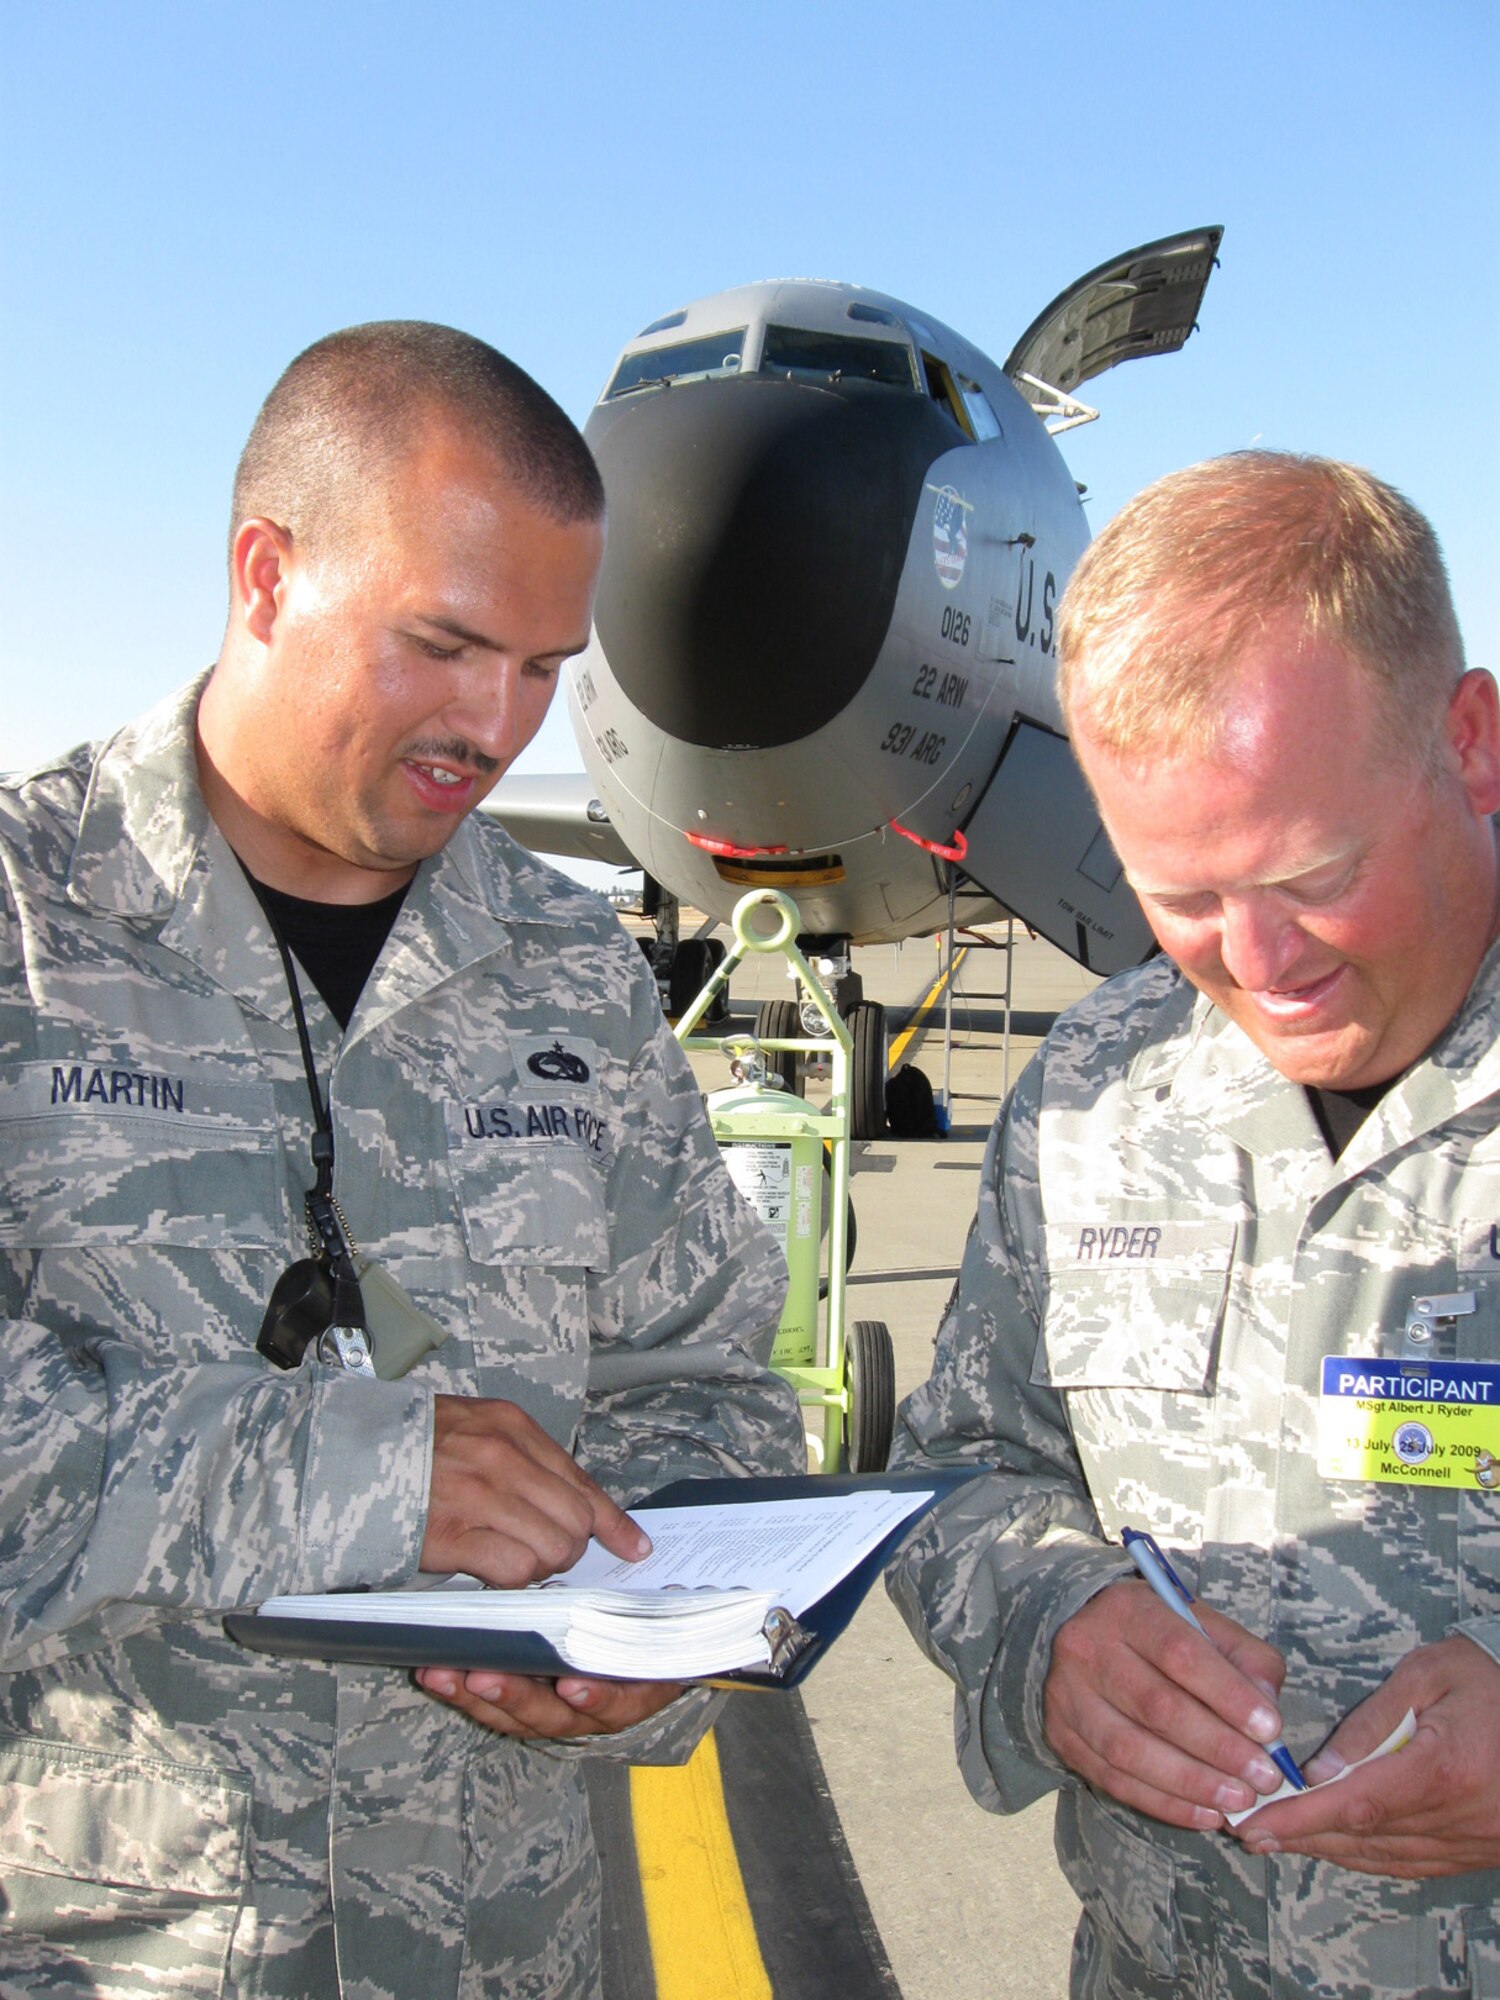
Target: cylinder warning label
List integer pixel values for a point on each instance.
(762, 1171)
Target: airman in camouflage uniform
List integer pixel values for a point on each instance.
(1255, 1153)
(519, 1144)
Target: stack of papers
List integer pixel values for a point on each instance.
(618, 1633)
(714, 1596)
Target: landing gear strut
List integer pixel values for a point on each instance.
(829, 958)
(683, 966)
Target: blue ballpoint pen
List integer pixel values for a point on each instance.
(1174, 1593)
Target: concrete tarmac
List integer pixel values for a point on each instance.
(969, 1905)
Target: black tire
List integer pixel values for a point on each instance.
(777, 1021)
(851, 1225)
(692, 968)
(870, 1377)
(867, 1026)
(909, 1107)
(718, 1007)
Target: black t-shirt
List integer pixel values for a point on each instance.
(336, 944)
(1340, 1113)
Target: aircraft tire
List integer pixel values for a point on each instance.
(777, 1021)
(867, 1025)
(718, 1011)
(870, 1376)
(692, 968)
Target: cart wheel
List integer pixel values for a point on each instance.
(781, 1021)
(851, 1224)
(870, 1374)
(867, 1025)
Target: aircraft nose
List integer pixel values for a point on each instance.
(757, 531)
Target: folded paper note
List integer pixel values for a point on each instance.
(1401, 1735)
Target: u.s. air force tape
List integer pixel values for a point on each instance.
(1416, 1423)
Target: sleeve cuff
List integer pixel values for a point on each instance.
(1012, 1715)
(366, 1485)
(1485, 1632)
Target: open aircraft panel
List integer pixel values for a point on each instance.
(1036, 844)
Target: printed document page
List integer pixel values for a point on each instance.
(794, 1550)
(697, 1606)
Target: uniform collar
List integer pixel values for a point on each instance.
(147, 850)
(1211, 1070)
(143, 821)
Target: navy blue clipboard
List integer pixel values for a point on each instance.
(526, 1653)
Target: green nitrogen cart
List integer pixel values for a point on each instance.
(785, 1155)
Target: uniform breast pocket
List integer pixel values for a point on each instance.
(535, 1226)
(1131, 1340)
(1134, 1305)
(99, 1158)
(528, 1200)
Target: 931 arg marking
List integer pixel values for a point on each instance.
(902, 740)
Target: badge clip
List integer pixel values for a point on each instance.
(1424, 1316)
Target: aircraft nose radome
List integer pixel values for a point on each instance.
(757, 528)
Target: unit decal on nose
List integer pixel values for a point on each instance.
(950, 535)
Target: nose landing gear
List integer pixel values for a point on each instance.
(683, 966)
(865, 1019)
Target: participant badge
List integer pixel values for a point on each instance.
(1411, 1423)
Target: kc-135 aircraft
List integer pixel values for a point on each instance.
(822, 656)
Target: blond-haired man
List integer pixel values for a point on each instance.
(1238, 1187)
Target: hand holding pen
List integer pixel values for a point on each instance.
(1174, 1593)
(1143, 1711)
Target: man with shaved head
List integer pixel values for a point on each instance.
(359, 1223)
(1235, 1280)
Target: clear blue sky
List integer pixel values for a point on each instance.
(191, 193)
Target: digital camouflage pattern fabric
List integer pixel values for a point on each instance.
(1163, 1253)
(521, 1143)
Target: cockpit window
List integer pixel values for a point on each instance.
(872, 315)
(792, 350)
(981, 414)
(712, 354)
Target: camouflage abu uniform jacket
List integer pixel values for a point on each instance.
(1162, 1255)
(178, 1815)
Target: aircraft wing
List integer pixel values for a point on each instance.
(558, 816)
(1144, 302)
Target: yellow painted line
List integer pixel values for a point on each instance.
(924, 1008)
(697, 1915)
